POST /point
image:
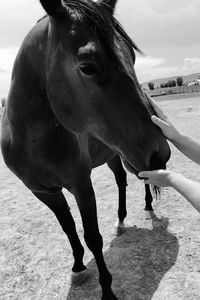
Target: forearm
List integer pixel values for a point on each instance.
(186, 187)
(188, 146)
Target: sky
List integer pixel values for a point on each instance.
(167, 31)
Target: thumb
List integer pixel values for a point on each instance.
(143, 174)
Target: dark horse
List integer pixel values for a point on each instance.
(73, 104)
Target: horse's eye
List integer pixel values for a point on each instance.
(88, 69)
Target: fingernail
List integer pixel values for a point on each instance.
(154, 118)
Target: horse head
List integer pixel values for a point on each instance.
(91, 83)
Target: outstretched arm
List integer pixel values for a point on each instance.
(187, 145)
(186, 187)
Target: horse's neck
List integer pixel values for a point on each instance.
(98, 151)
(28, 109)
(27, 99)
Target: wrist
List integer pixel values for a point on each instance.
(177, 137)
(174, 178)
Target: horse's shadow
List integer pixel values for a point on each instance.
(137, 260)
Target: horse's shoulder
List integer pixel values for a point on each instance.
(44, 164)
(12, 154)
(5, 136)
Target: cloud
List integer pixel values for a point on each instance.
(17, 18)
(2, 70)
(167, 31)
(166, 22)
(149, 68)
(7, 57)
(148, 62)
(4, 84)
(191, 65)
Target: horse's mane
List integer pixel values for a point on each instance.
(101, 18)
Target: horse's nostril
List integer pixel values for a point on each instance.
(156, 162)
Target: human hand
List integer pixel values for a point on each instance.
(162, 121)
(160, 178)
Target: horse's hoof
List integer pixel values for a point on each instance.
(119, 224)
(78, 278)
(149, 215)
(119, 228)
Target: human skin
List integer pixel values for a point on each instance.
(189, 146)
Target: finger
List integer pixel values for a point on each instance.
(144, 174)
(160, 113)
(157, 109)
(155, 105)
(152, 102)
(159, 122)
(149, 174)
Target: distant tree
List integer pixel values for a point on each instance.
(162, 85)
(151, 85)
(166, 84)
(169, 83)
(173, 82)
(179, 81)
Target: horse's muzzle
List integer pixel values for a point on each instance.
(156, 162)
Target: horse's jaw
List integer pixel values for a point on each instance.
(129, 167)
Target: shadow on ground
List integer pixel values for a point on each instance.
(137, 260)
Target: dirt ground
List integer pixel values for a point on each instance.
(158, 260)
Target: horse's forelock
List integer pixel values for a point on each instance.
(104, 25)
(102, 20)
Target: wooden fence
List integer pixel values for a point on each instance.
(175, 90)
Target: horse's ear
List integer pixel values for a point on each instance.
(54, 8)
(108, 3)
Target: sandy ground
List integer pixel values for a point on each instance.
(157, 260)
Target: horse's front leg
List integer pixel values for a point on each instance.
(115, 165)
(58, 204)
(149, 213)
(84, 194)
